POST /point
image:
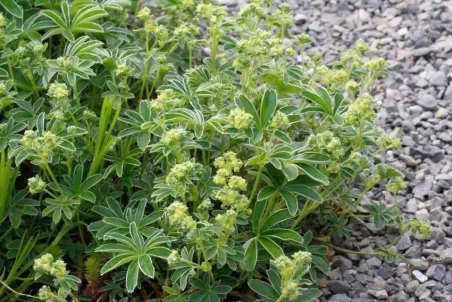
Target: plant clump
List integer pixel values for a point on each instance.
(176, 153)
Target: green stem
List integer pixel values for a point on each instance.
(256, 182)
(52, 176)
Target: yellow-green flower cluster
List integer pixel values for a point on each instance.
(144, 14)
(304, 39)
(42, 144)
(229, 195)
(186, 31)
(339, 77)
(58, 269)
(58, 91)
(88, 115)
(124, 68)
(237, 183)
(187, 3)
(65, 63)
(205, 205)
(288, 268)
(174, 137)
(211, 12)
(239, 119)
(36, 184)
(280, 121)
(395, 185)
(227, 165)
(326, 141)
(361, 109)
(352, 85)
(420, 228)
(252, 10)
(2, 20)
(46, 294)
(232, 199)
(45, 264)
(361, 47)
(377, 66)
(178, 215)
(173, 258)
(256, 44)
(166, 100)
(181, 173)
(283, 16)
(227, 221)
(150, 26)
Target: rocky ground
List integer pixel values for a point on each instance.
(415, 36)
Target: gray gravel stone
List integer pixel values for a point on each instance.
(436, 272)
(427, 102)
(446, 255)
(420, 276)
(339, 287)
(412, 286)
(439, 78)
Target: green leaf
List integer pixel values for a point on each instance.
(309, 295)
(313, 173)
(275, 218)
(290, 171)
(246, 105)
(321, 264)
(67, 146)
(198, 296)
(13, 8)
(265, 193)
(132, 276)
(146, 266)
(143, 140)
(311, 157)
(91, 181)
(198, 283)
(116, 262)
(264, 289)
(268, 107)
(272, 248)
(160, 252)
(304, 191)
(313, 96)
(222, 289)
(291, 202)
(258, 211)
(284, 234)
(250, 254)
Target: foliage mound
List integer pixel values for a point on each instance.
(176, 153)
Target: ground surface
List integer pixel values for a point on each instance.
(415, 36)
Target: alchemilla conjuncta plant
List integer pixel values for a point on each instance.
(175, 153)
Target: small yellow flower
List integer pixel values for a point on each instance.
(174, 257)
(46, 294)
(361, 109)
(361, 47)
(239, 119)
(352, 85)
(237, 183)
(144, 14)
(36, 184)
(227, 221)
(58, 91)
(2, 20)
(280, 121)
(44, 263)
(58, 269)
